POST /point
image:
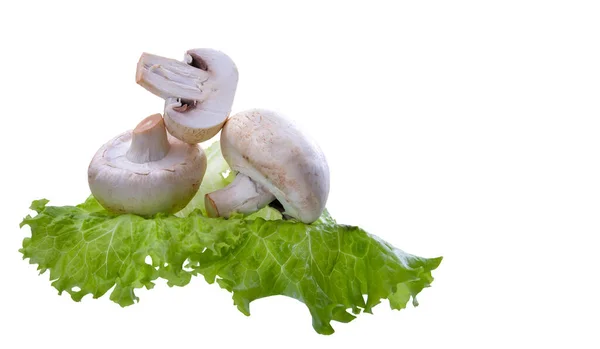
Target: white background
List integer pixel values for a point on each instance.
(467, 129)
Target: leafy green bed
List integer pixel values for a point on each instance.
(325, 265)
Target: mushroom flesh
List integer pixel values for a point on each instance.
(198, 92)
(146, 171)
(274, 159)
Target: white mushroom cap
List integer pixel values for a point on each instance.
(146, 171)
(198, 92)
(279, 159)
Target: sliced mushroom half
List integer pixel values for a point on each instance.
(198, 92)
(273, 159)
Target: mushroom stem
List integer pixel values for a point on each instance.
(166, 77)
(149, 140)
(243, 195)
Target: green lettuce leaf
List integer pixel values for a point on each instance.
(89, 251)
(328, 266)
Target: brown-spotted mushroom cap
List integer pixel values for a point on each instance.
(274, 159)
(198, 92)
(146, 171)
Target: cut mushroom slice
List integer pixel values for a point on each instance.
(146, 171)
(198, 92)
(274, 159)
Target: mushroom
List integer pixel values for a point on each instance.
(198, 92)
(146, 171)
(273, 160)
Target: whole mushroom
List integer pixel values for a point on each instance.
(273, 159)
(198, 92)
(146, 171)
